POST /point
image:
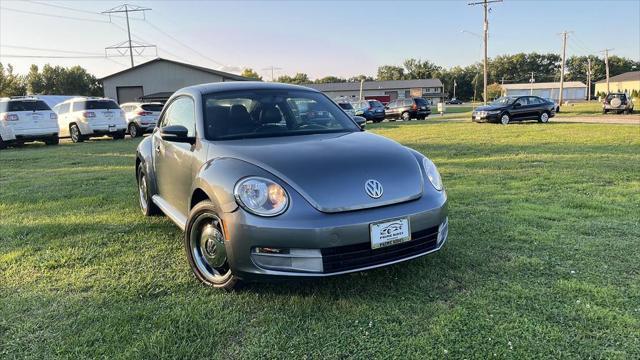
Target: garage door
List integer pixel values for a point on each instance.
(128, 93)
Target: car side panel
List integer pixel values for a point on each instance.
(145, 155)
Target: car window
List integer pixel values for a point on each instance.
(421, 102)
(151, 107)
(346, 106)
(181, 112)
(522, 101)
(266, 113)
(27, 105)
(375, 104)
(63, 108)
(408, 102)
(392, 104)
(534, 100)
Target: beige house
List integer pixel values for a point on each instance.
(157, 79)
(626, 82)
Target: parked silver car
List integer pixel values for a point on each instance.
(273, 180)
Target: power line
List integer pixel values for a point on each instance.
(126, 8)
(54, 16)
(57, 56)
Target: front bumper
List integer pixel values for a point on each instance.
(374, 115)
(482, 117)
(337, 243)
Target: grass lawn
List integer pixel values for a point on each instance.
(543, 260)
(593, 108)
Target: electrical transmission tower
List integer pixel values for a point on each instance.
(128, 45)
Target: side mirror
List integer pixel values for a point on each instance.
(176, 133)
(362, 122)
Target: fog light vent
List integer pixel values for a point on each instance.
(302, 260)
(443, 231)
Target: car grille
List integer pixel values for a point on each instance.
(349, 257)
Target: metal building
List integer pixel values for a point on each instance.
(157, 79)
(430, 89)
(572, 90)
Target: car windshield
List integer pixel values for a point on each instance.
(616, 96)
(27, 105)
(268, 113)
(505, 100)
(346, 106)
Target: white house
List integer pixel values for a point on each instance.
(573, 90)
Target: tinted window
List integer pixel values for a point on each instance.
(534, 101)
(27, 105)
(346, 106)
(181, 112)
(421, 102)
(95, 105)
(392, 104)
(266, 113)
(618, 96)
(152, 107)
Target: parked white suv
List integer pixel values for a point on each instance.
(26, 118)
(85, 117)
(141, 117)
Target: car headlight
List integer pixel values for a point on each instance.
(493, 112)
(261, 196)
(432, 174)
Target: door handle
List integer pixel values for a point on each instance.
(158, 149)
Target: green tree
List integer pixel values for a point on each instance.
(419, 69)
(390, 72)
(34, 81)
(493, 91)
(298, 78)
(251, 74)
(360, 77)
(11, 84)
(330, 79)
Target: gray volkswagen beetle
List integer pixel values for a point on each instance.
(274, 180)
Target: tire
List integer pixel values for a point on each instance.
(406, 116)
(134, 130)
(544, 117)
(76, 135)
(3, 145)
(505, 119)
(147, 206)
(204, 243)
(119, 135)
(54, 140)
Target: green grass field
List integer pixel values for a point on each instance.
(543, 260)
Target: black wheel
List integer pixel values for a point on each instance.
(54, 140)
(134, 130)
(544, 117)
(144, 197)
(204, 243)
(406, 116)
(3, 145)
(118, 135)
(76, 135)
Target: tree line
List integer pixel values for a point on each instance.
(503, 69)
(50, 80)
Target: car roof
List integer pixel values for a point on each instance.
(86, 98)
(240, 86)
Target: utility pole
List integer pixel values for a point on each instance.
(361, 85)
(454, 88)
(485, 4)
(606, 65)
(532, 80)
(126, 9)
(564, 57)
(272, 69)
(588, 78)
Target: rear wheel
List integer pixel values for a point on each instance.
(54, 140)
(134, 130)
(204, 243)
(76, 135)
(505, 119)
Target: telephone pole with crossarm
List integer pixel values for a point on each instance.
(485, 4)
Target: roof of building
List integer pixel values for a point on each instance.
(156, 60)
(377, 85)
(544, 85)
(628, 76)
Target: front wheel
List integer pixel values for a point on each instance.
(144, 197)
(505, 119)
(76, 135)
(544, 117)
(204, 243)
(406, 116)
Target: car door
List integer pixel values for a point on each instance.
(173, 161)
(519, 109)
(391, 111)
(536, 107)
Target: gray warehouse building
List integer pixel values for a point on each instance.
(430, 89)
(157, 79)
(572, 90)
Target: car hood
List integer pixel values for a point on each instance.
(330, 170)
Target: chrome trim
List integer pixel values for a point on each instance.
(373, 188)
(245, 207)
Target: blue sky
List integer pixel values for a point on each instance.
(319, 38)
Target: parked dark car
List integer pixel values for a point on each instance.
(407, 109)
(515, 108)
(372, 110)
(554, 103)
(454, 101)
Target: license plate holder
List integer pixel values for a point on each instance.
(112, 128)
(389, 232)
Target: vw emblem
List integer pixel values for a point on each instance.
(373, 188)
